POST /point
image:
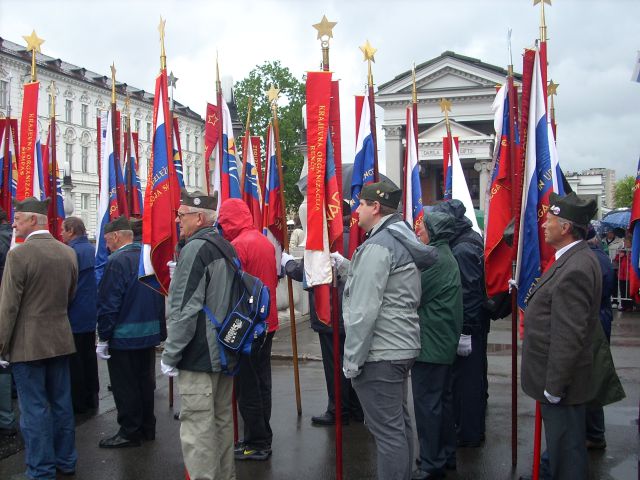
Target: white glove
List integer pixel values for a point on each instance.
(172, 268)
(350, 373)
(284, 259)
(464, 346)
(512, 284)
(3, 363)
(336, 259)
(552, 398)
(168, 371)
(102, 350)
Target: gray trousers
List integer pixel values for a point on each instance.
(564, 430)
(382, 388)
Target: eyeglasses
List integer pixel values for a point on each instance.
(181, 215)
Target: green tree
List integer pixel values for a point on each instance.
(623, 195)
(292, 98)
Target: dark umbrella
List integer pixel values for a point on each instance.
(347, 173)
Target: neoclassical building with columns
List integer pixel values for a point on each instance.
(80, 96)
(470, 85)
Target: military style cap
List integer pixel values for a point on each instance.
(199, 199)
(32, 205)
(573, 207)
(136, 226)
(387, 195)
(120, 223)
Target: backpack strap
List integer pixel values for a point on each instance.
(223, 358)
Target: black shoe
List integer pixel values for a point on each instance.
(328, 418)
(148, 436)
(65, 473)
(176, 416)
(118, 441)
(420, 474)
(596, 444)
(239, 448)
(257, 455)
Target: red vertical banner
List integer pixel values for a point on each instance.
(318, 105)
(359, 103)
(211, 138)
(28, 138)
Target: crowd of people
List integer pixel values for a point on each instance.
(412, 308)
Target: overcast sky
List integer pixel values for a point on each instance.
(592, 50)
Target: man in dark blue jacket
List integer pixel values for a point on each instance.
(82, 313)
(129, 316)
(469, 380)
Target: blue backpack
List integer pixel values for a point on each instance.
(245, 323)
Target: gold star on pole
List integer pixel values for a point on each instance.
(552, 89)
(33, 42)
(325, 28)
(445, 105)
(273, 93)
(368, 51)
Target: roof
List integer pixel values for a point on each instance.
(56, 65)
(449, 54)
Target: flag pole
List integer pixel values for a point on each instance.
(325, 32)
(445, 107)
(245, 145)
(273, 98)
(515, 212)
(369, 52)
(53, 166)
(219, 101)
(128, 146)
(552, 91)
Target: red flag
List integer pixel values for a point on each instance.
(30, 181)
(256, 145)
(9, 162)
(273, 211)
(211, 137)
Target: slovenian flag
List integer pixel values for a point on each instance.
(459, 188)
(252, 195)
(272, 211)
(412, 195)
(229, 174)
(533, 253)
(363, 172)
(162, 197)
(108, 205)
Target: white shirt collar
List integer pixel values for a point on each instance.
(564, 249)
(37, 232)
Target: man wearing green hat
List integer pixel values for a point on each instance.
(39, 281)
(559, 327)
(380, 303)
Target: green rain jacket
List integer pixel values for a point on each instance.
(440, 309)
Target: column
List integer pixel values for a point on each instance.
(393, 153)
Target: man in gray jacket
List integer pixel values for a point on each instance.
(380, 305)
(202, 277)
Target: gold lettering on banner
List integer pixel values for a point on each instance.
(333, 206)
(317, 158)
(542, 211)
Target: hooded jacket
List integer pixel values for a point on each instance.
(440, 309)
(468, 249)
(382, 294)
(256, 253)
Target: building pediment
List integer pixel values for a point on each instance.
(439, 130)
(449, 71)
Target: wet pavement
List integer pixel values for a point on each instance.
(302, 451)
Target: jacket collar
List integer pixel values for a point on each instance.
(77, 240)
(558, 264)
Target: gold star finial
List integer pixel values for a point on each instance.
(33, 42)
(445, 106)
(273, 93)
(368, 51)
(552, 89)
(325, 28)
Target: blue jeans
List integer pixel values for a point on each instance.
(46, 416)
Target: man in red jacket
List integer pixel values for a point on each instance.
(253, 386)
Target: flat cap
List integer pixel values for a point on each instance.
(199, 199)
(32, 205)
(573, 207)
(120, 223)
(387, 195)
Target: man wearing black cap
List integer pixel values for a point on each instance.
(129, 317)
(380, 303)
(202, 277)
(559, 326)
(39, 281)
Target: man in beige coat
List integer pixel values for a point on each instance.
(39, 281)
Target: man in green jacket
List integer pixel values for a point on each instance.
(440, 314)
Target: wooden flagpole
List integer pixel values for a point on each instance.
(273, 98)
